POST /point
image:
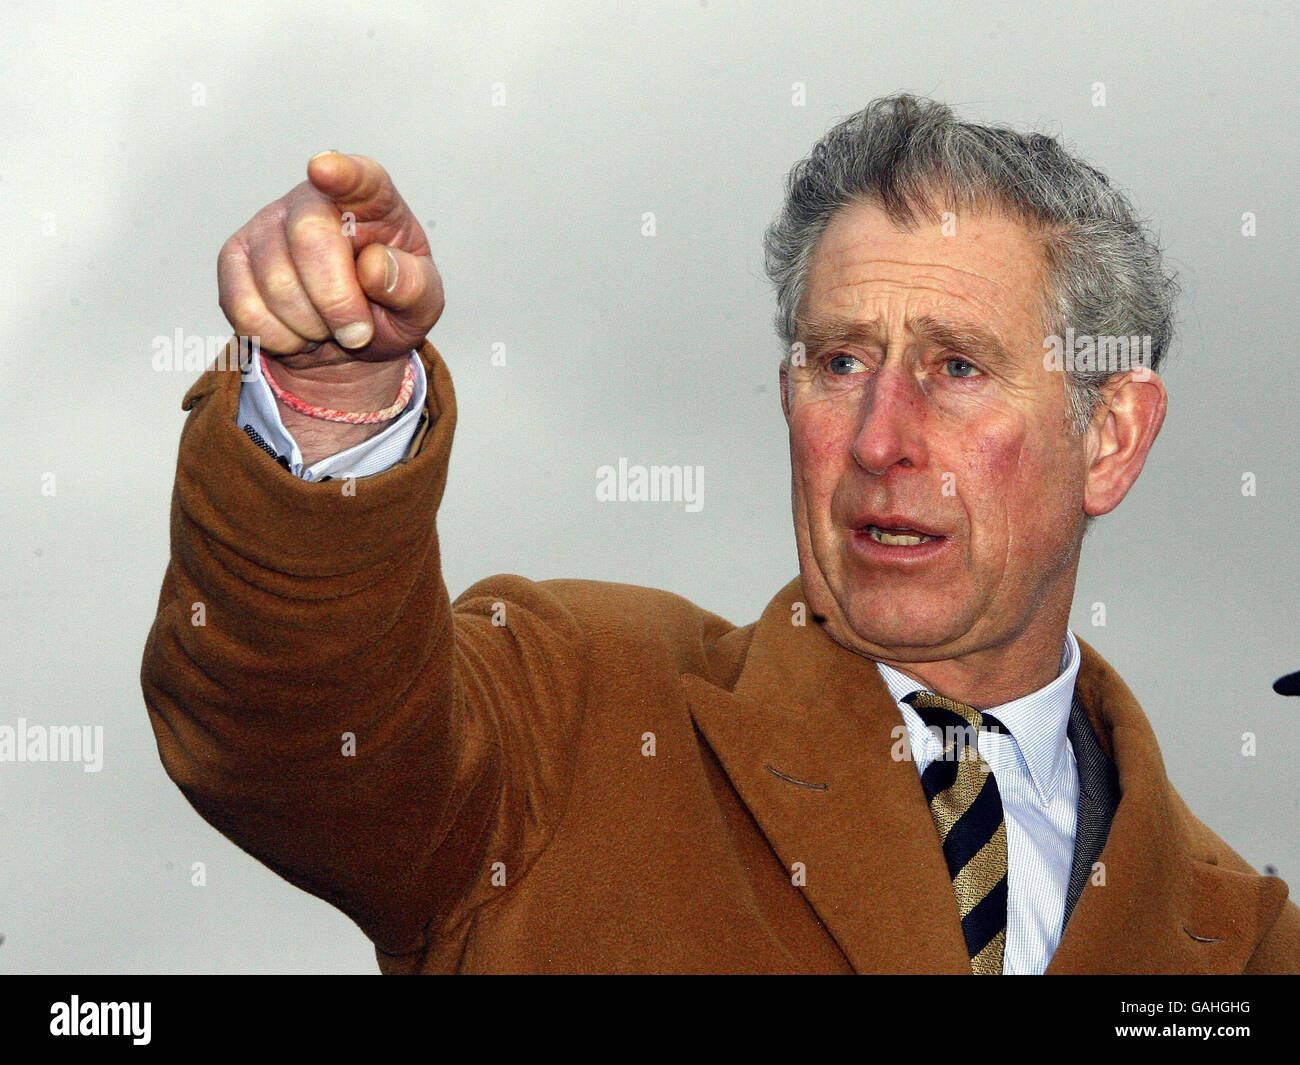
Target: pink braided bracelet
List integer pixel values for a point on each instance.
(357, 417)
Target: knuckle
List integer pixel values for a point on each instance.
(231, 253)
(281, 285)
(312, 233)
(337, 304)
(374, 182)
(432, 292)
(245, 313)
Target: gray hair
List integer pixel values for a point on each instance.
(911, 157)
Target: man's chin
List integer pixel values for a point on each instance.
(890, 644)
(893, 630)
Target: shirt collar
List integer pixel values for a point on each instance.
(1037, 721)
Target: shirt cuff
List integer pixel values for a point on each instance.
(259, 416)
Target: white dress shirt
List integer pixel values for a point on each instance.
(1039, 783)
(1034, 765)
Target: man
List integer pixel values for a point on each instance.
(908, 764)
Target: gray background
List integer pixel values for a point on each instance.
(658, 349)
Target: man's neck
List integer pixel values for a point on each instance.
(995, 675)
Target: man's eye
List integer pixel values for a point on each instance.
(842, 365)
(960, 368)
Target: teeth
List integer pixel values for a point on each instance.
(896, 539)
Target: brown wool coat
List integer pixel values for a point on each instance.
(524, 744)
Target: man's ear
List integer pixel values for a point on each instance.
(1123, 429)
(784, 375)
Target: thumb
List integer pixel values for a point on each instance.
(408, 287)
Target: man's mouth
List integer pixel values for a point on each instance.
(898, 537)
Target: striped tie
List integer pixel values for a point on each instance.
(967, 810)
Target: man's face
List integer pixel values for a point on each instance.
(937, 491)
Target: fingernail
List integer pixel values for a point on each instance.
(390, 271)
(327, 151)
(356, 335)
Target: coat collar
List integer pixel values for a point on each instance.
(806, 737)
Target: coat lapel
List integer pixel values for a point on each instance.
(809, 737)
(1165, 905)
(806, 740)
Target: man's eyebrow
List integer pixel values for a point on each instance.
(820, 331)
(964, 337)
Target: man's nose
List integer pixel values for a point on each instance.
(893, 414)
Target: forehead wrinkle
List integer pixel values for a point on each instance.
(991, 305)
(871, 260)
(985, 301)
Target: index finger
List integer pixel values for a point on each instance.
(356, 183)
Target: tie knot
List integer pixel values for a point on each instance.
(939, 710)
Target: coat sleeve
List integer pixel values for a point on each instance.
(318, 699)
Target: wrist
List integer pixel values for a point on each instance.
(351, 386)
